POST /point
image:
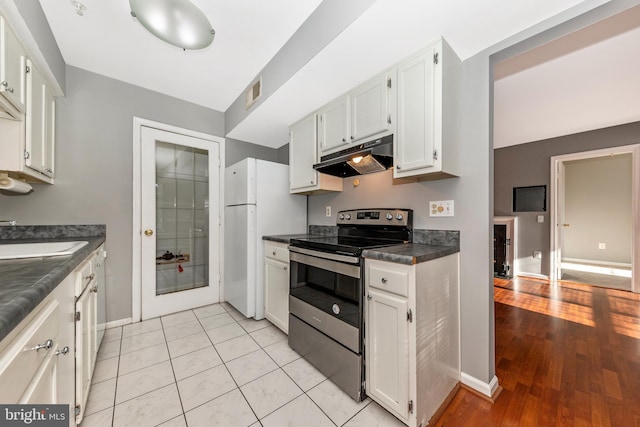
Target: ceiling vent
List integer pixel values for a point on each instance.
(254, 92)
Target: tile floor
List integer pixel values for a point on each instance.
(212, 367)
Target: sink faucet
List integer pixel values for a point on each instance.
(8, 222)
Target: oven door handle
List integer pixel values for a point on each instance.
(326, 264)
(326, 255)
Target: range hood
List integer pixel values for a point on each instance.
(370, 157)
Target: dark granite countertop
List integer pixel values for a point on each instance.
(284, 238)
(24, 283)
(410, 253)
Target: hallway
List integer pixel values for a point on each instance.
(566, 354)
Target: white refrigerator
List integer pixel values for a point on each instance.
(257, 203)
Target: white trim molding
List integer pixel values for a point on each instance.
(487, 389)
(555, 208)
(117, 323)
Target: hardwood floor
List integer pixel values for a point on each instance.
(567, 354)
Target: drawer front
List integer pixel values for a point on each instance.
(83, 275)
(20, 361)
(277, 251)
(389, 279)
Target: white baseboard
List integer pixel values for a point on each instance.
(534, 275)
(481, 387)
(121, 322)
(590, 261)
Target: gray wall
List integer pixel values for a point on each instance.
(35, 19)
(329, 19)
(529, 164)
(598, 209)
(94, 164)
(237, 150)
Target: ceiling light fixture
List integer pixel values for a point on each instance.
(177, 22)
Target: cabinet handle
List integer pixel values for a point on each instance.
(352, 137)
(274, 253)
(344, 139)
(384, 280)
(398, 167)
(90, 277)
(63, 352)
(47, 345)
(10, 90)
(95, 289)
(4, 83)
(286, 268)
(368, 297)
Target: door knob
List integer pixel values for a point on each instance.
(148, 232)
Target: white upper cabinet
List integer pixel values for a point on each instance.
(303, 154)
(40, 126)
(364, 113)
(27, 113)
(427, 141)
(12, 79)
(333, 125)
(372, 107)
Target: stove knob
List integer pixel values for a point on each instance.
(399, 217)
(341, 216)
(389, 216)
(347, 216)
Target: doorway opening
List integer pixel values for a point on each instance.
(594, 217)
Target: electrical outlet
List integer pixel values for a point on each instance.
(327, 211)
(441, 208)
(602, 246)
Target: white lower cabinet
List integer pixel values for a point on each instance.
(276, 282)
(412, 338)
(36, 358)
(86, 331)
(49, 357)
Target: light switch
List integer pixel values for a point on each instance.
(441, 208)
(540, 218)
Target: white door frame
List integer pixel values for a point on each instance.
(136, 279)
(555, 207)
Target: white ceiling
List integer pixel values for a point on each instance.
(587, 80)
(107, 41)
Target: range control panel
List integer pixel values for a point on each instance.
(396, 217)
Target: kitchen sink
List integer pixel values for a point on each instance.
(36, 250)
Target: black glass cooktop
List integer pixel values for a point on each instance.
(342, 244)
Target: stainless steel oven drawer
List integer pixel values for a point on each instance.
(344, 333)
(341, 366)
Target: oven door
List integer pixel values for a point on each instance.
(327, 294)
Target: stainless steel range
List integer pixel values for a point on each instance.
(327, 290)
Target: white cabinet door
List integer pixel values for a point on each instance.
(85, 346)
(333, 126)
(12, 67)
(387, 351)
(276, 282)
(303, 154)
(44, 386)
(370, 108)
(416, 127)
(40, 132)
